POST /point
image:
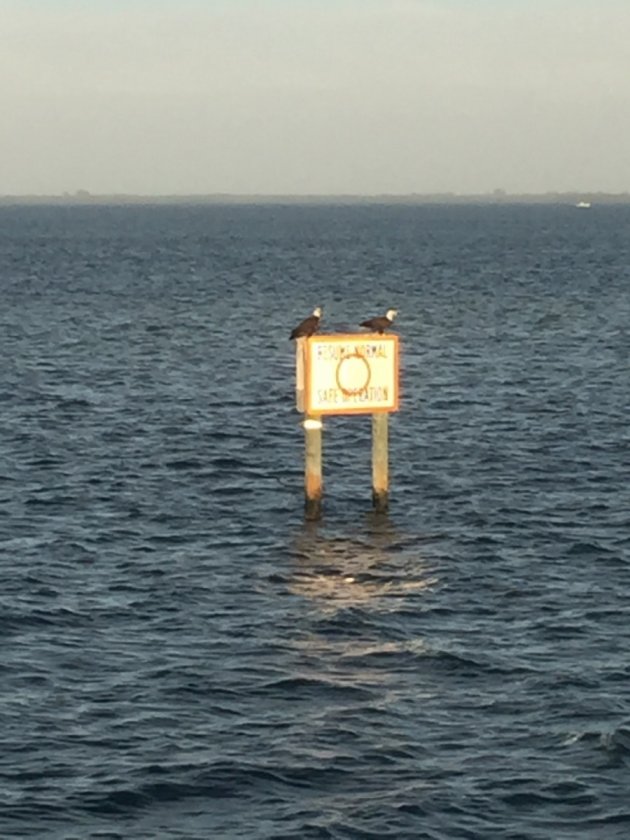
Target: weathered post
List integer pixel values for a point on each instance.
(312, 467)
(380, 462)
(299, 374)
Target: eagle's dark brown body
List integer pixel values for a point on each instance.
(308, 326)
(381, 322)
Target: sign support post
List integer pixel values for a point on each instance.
(300, 353)
(312, 468)
(380, 462)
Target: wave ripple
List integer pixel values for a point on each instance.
(183, 657)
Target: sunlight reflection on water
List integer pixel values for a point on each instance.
(373, 570)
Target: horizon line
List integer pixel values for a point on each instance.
(497, 195)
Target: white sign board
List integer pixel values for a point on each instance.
(351, 374)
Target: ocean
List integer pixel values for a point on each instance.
(183, 656)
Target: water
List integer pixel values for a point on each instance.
(183, 657)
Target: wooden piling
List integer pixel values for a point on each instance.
(300, 351)
(380, 462)
(312, 467)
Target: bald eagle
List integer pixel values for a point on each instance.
(308, 326)
(380, 323)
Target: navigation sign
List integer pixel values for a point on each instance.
(351, 374)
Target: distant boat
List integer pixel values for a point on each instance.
(583, 204)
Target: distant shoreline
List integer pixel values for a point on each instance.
(82, 197)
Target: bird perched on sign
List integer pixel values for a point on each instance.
(308, 326)
(380, 323)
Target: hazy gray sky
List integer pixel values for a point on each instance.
(314, 96)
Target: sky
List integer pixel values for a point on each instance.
(298, 97)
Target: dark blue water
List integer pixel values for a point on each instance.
(183, 657)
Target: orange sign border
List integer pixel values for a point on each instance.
(341, 338)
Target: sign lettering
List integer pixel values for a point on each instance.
(351, 374)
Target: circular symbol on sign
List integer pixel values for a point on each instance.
(353, 374)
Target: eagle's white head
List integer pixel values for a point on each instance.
(317, 312)
(391, 314)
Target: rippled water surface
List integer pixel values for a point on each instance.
(183, 657)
